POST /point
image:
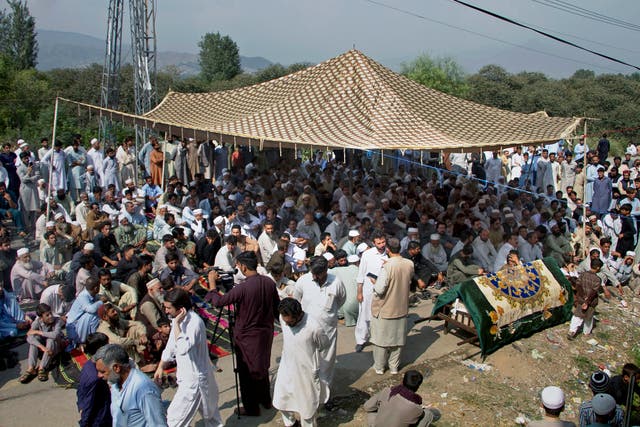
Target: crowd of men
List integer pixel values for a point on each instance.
(308, 244)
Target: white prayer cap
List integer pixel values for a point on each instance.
(289, 203)
(328, 256)
(88, 247)
(299, 256)
(552, 223)
(50, 224)
(354, 233)
(128, 181)
(631, 254)
(57, 216)
(259, 204)
(121, 217)
(384, 201)
(41, 181)
(94, 140)
(393, 185)
(552, 397)
(435, 236)
(218, 220)
(197, 211)
(412, 230)
(362, 247)
(353, 259)
(23, 251)
(20, 142)
(90, 167)
(23, 144)
(495, 211)
(506, 209)
(592, 217)
(152, 283)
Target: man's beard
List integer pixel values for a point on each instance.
(113, 378)
(158, 297)
(127, 228)
(28, 265)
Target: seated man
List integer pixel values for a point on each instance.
(106, 246)
(181, 276)
(82, 319)
(130, 234)
(87, 269)
(400, 406)
(12, 318)
(59, 298)
(139, 279)
(186, 245)
(461, 267)
(123, 297)
(151, 310)
(168, 246)
(128, 263)
(9, 208)
(129, 334)
(29, 278)
(55, 250)
(45, 336)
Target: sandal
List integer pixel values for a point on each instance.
(43, 375)
(28, 376)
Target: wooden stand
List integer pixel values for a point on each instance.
(459, 319)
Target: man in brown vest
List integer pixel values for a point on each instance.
(389, 309)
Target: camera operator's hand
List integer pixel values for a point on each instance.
(213, 278)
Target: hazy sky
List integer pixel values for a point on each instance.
(288, 31)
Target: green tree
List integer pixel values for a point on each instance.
(18, 35)
(219, 57)
(443, 74)
(492, 85)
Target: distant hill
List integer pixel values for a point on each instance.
(58, 49)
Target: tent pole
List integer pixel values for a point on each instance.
(53, 141)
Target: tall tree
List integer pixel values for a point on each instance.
(443, 74)
(219, 57)
(18, 35)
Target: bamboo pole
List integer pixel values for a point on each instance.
(53, 141)
(584, 203)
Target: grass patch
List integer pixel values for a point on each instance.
(584, 364)
(603, 335)
(635, 353)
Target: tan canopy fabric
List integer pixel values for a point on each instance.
(351, 101)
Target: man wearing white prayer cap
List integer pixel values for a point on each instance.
(351, 245)
(413, 234)
(552, 399)
(434, 252)
(29, 277)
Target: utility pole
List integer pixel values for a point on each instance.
(110, 89)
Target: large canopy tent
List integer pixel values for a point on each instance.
(349, 101)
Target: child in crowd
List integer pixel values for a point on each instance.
(45, 336)
(159, 339)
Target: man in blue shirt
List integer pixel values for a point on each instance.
(135, 399)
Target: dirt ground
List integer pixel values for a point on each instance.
(469, 391)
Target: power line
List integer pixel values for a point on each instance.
(417, 15)
(586, 13)
(558, 39)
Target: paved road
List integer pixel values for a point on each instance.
(46, 404)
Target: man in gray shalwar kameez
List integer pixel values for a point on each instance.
(29, 199)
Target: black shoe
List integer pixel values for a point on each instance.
(571, 336)
(359, 348)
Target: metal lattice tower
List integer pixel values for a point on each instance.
(110, 90)
(142, 14)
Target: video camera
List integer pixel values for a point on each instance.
(225, 278)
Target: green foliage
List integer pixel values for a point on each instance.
(219, 57)
(443, 74)
(18, 36)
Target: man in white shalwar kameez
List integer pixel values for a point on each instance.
(76, 161)
(95, 158)
(321, 295)
(298, 385)
(187, 346)
(126, 158)
(57, 160)
(370, 265)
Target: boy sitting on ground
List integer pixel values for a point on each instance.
(45, 336)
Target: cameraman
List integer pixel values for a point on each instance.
(256, 300)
